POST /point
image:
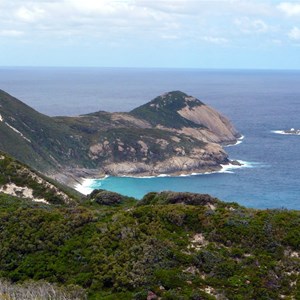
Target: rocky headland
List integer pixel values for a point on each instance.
(173, 134)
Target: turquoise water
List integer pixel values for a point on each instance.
(269, 179)
(257, 102)
(230, 186)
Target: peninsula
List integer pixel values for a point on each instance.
(173, 134)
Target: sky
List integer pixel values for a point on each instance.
(227, 34)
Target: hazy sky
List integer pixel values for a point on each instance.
(151, 33)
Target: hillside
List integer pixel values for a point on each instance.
(163, 110)
(16, 179)
(189, 116)
(174, 133)
(167, 246)
(37, 139)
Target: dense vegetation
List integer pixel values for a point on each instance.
(39, 290)
(169, 245)
(163, 110)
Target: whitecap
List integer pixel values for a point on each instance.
(238, 142)
(132, 176)
(86, 187)
(286, 133)
(243, 164)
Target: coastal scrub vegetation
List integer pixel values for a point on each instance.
(164, 109)
(168, 245)
(12, 172)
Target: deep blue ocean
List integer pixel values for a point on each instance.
(257, 102)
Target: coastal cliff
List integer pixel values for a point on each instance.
(173, 134)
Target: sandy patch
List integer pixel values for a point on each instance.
(198, 241)
(23, 192)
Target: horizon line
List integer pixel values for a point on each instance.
(151, 68)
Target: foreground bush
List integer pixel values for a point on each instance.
(39, 290)
(171, 246)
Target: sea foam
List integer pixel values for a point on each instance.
(285, 133)
(239, 141)
(86, 187)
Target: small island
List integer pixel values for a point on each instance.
(291, 131)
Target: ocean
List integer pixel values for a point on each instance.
(257, 103)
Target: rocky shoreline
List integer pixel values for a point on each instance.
(76, 177)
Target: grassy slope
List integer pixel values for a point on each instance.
(51, 143)
(163, 111)
(124, 250)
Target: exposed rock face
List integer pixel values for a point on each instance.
(220, 128)
(172, 134)
(200, 160)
